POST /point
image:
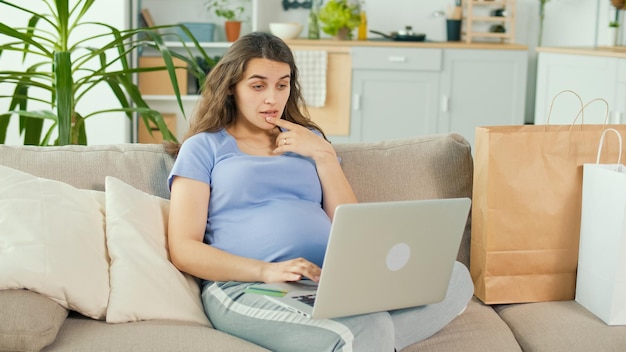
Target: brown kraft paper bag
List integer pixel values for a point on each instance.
(527, 207)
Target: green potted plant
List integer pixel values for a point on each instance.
(231, 11)
(339, 18)
(542, 16)
(615, 24)
(68, 70)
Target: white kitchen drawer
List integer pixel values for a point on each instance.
(421, 59)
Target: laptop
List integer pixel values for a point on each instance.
(380, 256)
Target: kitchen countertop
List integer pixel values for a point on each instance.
(606, 51)
(400, 44)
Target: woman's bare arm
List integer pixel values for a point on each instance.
(187, 223)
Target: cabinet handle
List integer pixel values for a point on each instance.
(356, 102)
(445, 103)
(396, 59)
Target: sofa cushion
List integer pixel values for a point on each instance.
(438, 166)
(144, 283)
(52, 241)
(29, 321)
(561, 326)
(144, 166)
(478, 329)
(79, 335)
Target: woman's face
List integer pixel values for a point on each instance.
(262, 92)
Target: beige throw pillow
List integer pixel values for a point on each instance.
(28, 321)
(52, 242)
(145, 285)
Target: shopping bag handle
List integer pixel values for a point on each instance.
(619, 137)
(580, 113)
(580, 100)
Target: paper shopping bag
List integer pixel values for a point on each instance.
(526, 209)
(601, 280)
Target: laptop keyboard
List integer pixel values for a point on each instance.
(307, 299)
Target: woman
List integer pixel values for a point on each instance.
(253, 192)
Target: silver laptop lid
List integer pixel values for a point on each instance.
(390, 255)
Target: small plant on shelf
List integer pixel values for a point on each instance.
(227, 9)
(618, 5)
(231, 11)
(339, 18)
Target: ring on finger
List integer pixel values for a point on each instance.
(284, 141)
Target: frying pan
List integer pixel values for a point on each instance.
(405, 35)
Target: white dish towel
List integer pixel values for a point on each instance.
(312, 66)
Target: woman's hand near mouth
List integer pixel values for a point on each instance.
(301, 140)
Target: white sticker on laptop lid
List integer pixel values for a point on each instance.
(398, 256)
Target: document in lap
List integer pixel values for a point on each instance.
(380, 256)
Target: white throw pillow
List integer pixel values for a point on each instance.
(52, 241)
(144, 283)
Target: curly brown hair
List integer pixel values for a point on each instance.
(217, 109)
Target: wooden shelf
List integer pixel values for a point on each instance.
(476, 13)
(488, 35)
(172, 98)
(204, 45)
(218, 47)
(492, 19)
(489, 3)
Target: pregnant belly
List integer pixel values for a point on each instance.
(275, 231)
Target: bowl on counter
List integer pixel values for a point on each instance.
(286, 30)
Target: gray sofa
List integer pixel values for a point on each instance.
(436, 166)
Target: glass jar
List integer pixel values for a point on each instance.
(362, 32)
(314, 25)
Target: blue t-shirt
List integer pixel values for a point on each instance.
(262, 207)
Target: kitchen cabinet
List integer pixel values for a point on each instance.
(588, 73)
(379, 90)
(481, 88)
(394, 92)
(333, 117)
(407, 92)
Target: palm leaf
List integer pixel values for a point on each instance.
(65, 96)
(69, 70)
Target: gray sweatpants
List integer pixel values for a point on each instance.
(254, 318)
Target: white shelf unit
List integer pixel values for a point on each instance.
(257, 16)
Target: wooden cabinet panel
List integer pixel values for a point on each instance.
(334, 116)
(143, 135)
(158, 82)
